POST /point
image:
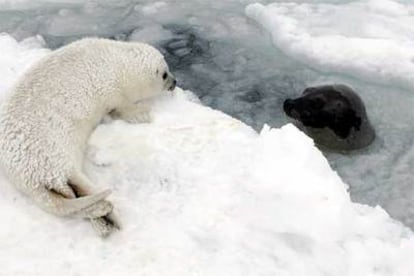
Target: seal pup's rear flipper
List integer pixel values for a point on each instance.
(82, 186)
(105, 225)
(55, 203)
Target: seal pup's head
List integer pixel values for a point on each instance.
(146, 73)
(333, 115)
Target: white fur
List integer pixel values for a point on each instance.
(54, 107)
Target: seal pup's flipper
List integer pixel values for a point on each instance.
(54, 202)
(103, 225)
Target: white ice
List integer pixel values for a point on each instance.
(201, 193)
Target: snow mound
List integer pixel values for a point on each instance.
(200, 193)
(368, 39)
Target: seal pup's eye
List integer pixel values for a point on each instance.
(164, 76)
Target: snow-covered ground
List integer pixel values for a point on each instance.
(201, 193)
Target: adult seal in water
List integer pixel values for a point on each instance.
(333, 115)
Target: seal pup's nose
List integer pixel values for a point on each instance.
(172, 87)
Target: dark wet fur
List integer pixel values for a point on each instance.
(324, 107)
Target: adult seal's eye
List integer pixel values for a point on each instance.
(340, 105)
(316, 103)
(164, 76)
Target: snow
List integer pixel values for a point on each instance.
(201, 193)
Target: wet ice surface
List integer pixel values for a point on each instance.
(229, 61)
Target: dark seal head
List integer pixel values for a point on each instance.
(333, 115)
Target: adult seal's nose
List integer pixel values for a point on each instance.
(172, 87)
(288, 105)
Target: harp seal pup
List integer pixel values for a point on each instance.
(333, 115)
(55, 106)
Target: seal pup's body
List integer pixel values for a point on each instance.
(54, 107)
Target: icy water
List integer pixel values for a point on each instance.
(229, 61)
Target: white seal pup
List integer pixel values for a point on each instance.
(333, 115)
(54, 107)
